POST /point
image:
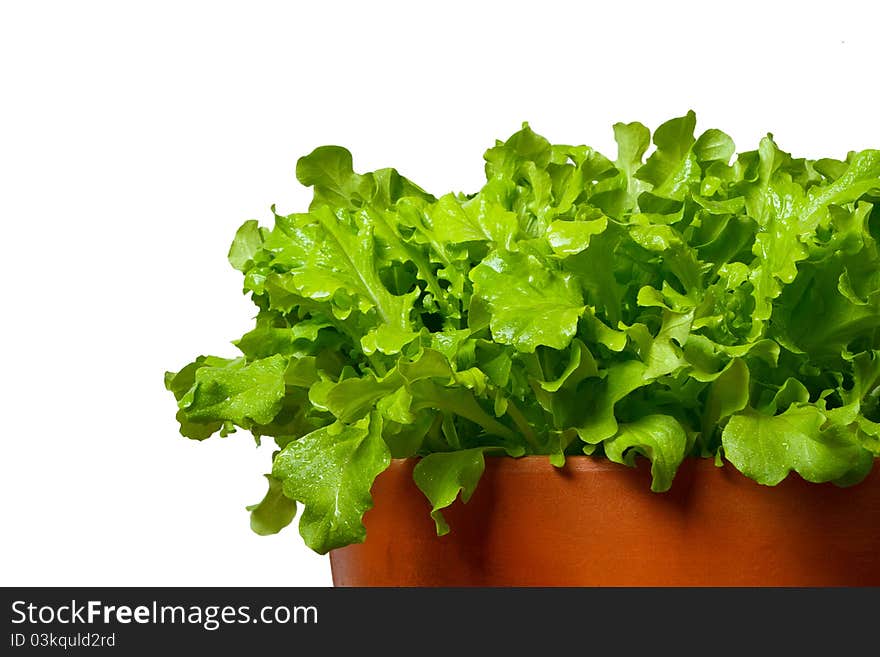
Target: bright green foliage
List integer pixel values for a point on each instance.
(678, 300)
(441, 476)
(331, 471)
(274, 512)
(660, 438)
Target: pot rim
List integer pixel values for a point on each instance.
(589, 463)
(578, 462)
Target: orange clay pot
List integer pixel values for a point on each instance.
(596, 523)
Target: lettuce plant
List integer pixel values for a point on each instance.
(692, 302)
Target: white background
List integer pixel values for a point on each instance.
(136, 137)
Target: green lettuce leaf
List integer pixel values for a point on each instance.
(331, 471)
(660, 438)
(274, 512)
(766, 448)
(231, 392)
(444, 475)
(529, 304)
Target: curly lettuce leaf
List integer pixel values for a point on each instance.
(222, 393)
(330, 471)
(529, 304)
(768, 447)
(274, 512)
(443, 476)
(659, 438)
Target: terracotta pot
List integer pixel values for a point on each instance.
(596, 523)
